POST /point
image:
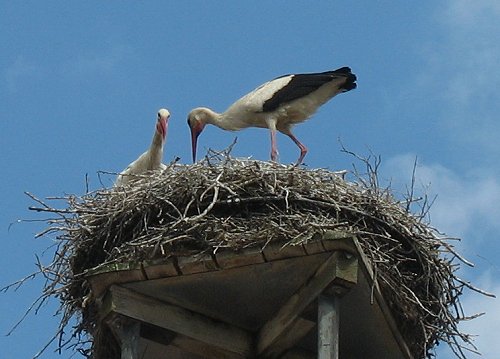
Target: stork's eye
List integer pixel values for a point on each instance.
(159, 115)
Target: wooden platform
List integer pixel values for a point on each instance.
(309, 301)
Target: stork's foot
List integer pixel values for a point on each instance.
(274, 155)
(303, 152)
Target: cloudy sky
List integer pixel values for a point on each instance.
(80, 85)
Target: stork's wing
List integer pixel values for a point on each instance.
(301, 85)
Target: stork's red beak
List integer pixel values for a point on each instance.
(162, 126)
(195, 132)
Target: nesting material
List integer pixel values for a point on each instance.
(223, 203)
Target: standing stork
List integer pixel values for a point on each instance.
(277, 105)
(151, 159)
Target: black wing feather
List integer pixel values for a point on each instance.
(303, 84)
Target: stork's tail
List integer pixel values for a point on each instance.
(350, 82)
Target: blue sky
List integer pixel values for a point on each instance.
(80, 85)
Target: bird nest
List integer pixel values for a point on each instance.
(232, 204)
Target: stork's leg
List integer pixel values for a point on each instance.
(274, 146)
(303, 149)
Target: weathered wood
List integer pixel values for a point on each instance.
(314, 247)
(276, 251)
(384, 307)
(160, 268)
(204, 350)
(127, 332)
(346, 270)
(167, 337)
(327, 273)
(288, 339)
(196, 264)
(249, 256)
(328, 327)
(338, 241)
(157, 334)
(259, 290)
(153, 311)
(101, 278)
(297, 353)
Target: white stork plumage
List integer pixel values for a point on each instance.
(151, 159)
(277, 105)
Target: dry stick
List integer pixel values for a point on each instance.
(18, 283)
(208, 209)
(470, 286)
(452, 251)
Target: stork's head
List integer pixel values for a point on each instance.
(197, 119)
(162, 122)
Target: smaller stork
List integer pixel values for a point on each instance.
(151, 159)
(277, 105)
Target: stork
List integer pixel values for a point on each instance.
(277, 105)
(151, 159)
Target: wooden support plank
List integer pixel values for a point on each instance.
(335, 240)
(328, 327)
(329, 272)
(101, 278)
(288, 339)
(160, 268)
(153, 311)
(298, 354)
(196, 264)
(127, 332)
(157, 334)
(167, 337)
(276, 251)
(204, 350)
(370, 275)
(230, 259)
(314, 247)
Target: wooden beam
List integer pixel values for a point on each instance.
(328, 327)
(101, 278)
(337, 268)
(167, 337)
(384, 307)
(153, 311)
(248, 256)
(203, 350)
(196, 264)
(288, 339)
(127, 332)
(298, 353)
(276, 251)
(157, 334)
(159, 268)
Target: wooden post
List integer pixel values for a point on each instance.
(328, 327)
(128, 333)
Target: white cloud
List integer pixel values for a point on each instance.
(462, 198)
(19, 74)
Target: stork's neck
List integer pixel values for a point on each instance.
(156, 150)
(221, 120)
(158, 140)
